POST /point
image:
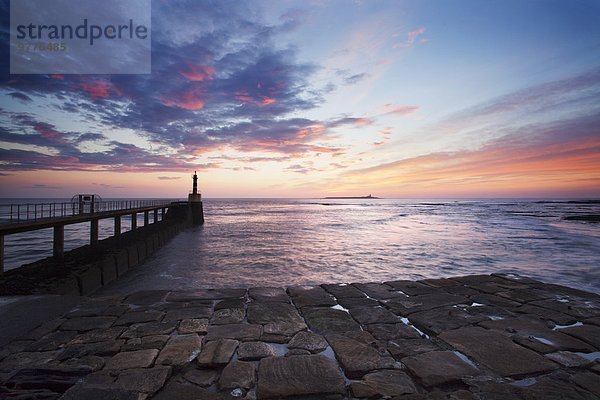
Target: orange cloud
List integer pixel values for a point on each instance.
(266, 101)
(512, 165)
(189, 100)
(198, 73)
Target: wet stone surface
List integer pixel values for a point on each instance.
(472, 337)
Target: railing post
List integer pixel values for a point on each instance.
(94, 232)
(146, 218)
(133, 221)
(117, 225)
(155, 215)
(162, 214)
(59, 242)
(1, 255)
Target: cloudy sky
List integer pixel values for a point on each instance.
(312, 98)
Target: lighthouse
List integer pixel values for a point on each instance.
(195, 202)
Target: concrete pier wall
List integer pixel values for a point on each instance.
(86, 269)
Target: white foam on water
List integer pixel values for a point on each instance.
(557, 327)
(407, 322)
(590, 356)
(543, 340)
(524, 382)
(339, 307)
(465, 358)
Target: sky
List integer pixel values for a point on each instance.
(407, 99)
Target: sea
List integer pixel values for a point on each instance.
(283, 242)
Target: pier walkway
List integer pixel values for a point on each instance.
(18, 218)
(471, 337)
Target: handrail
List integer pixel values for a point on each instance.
(27, 212)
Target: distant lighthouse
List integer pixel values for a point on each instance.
(195, 195)
(195, 200)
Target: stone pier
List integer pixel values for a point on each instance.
(471, 337)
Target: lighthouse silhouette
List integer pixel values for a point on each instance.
(195, 201)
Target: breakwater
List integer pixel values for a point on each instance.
(469, 337)
(86, 269)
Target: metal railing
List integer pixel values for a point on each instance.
(15, 213)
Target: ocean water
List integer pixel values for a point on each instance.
(275, 242)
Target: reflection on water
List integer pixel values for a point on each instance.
(288, 242)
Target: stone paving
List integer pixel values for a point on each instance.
(472, 337)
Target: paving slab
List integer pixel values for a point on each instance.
(132, 359)
(311, 296)
(438, 367)
(186, 391)
(87, 323)
(230, 303)
(344, 291)
(412, 288)
(193, 325)
(373, 315)
(400, 348)
(245, 332)
(538, 332)
(358, 355)
(587, 333)
(392, 331)
(580, 308)
(202, 377)
(273, 312)
(98, 335)
(497, 352)
(51, 341)
(569, 359)
(269, 294)
(84, 391)
(22, 314)
(383, 384)
(505, 326)
(437, 320)
(547, 314)
(309, 341)
(253, 351)
(107, 348)
(588, 380)
(205, 294)
(149, 329)
(407, 305)
(138, 317)
(187, 313)
(378, 291)
(329, 320)
(217, 353)
(238, 374)
(226, 316)
(143, 380)
(281, 332)
(298, 376)
(180, 350)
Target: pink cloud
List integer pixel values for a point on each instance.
(411, 38)
(190, 100)
(267, 100)
(399, 110)
(96, 89)
(198, 73)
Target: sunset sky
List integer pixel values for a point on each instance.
(317, 98)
